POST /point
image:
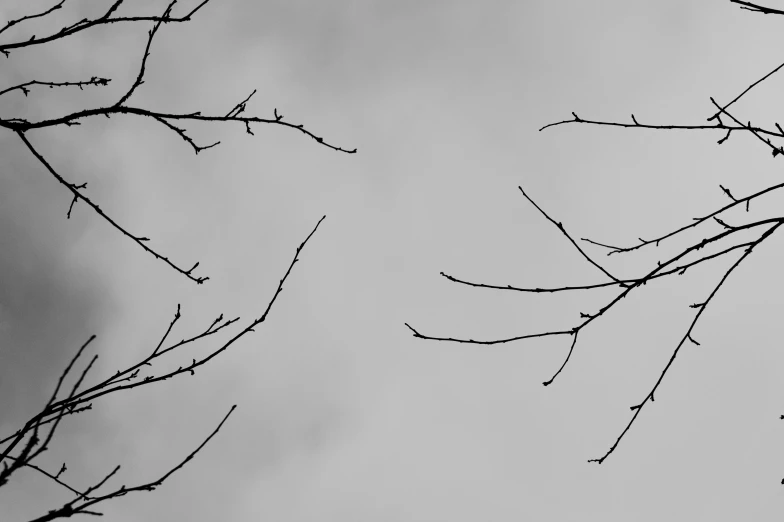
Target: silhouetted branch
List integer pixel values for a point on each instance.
(80, 400)
(750, 87)
(55, 478)
(680, 270)
(755, 131)
(628, 286)
(22, 126)
(674, 264)
(146, 55)
(748, 6)
(563, 231)
(12, 23)
(80, 505)
(25, 444)
(94, 81)
(71, 119)
(139, 240)
(85, 23)
(687, 336)
(694, 223)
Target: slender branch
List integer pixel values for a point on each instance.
(563, 231)
(55, 411)
(85, 23)
(633, 125)
(589, 318)
(494, 341)
(151, 35)
(112, 384)
(19, 435)
(754, 130)
(79, 506)
(24, 86)
(181, 133)
(55, 478)
(748, 6)
(30, 17)
(677, 270)
(675, 264)
(78, 195)
(68, 411)
(694, 223)
(750, 87)
(21, 126)
(687, 336)
(72, 119)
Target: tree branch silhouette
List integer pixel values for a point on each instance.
(72, 393)
(78, 399)
(21, 126)
(726, 242)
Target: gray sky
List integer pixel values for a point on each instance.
(343, 415)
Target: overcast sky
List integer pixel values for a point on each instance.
(342, 414)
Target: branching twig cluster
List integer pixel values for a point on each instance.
(726, 242)
(22, 126)
(22, 447)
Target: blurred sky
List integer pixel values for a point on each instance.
(343, 415)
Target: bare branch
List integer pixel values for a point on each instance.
(71, 119)
(32, 439)
(700, 309)
(240, 107)
(627, 288)
(94, 81)
(188, 140)
(79, 506)
(681, 269)
(55, 478)
(739, 96)
(111, 384)
(86, 24)
(68, 411)
(695, 222)
(494, 341)
(77, 195)
(748, 6)
(563, 231)
(675, 264)
(718, 126)
(30, 17)
(139, 78)
(754, 130)
(55, 411)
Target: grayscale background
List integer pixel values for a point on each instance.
(343, 415)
